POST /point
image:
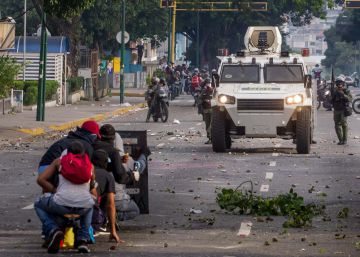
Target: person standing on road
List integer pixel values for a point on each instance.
(340, 98)
(205, 100)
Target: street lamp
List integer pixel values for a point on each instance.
(122, 55)
(24, 41)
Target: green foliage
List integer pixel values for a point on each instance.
(30, 88)
(8, 71)
(159, 73)
(343, 42)
(101, 23)
(75, 84)
(67, 8)
(14, 9)
(290, 204)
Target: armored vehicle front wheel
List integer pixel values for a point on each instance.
(218, 131)
(303, 131)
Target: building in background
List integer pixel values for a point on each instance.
(311, 36)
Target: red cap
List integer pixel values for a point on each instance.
(76, 168)
(92, 127)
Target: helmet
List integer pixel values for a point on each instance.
(316, 65)
(196, 70)
(340, 80)
(207, 81)
(155, 80)
(162, 81)
(213, 71)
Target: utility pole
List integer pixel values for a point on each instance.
(122, 55)
(40, 111)
(198, 40)
(24, 49)
(173, 32)
(169, 37)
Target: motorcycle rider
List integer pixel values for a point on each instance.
(340, 98)
(214, 78)
(150, 93)
(195, 84)
(317, 73)
(205, 102)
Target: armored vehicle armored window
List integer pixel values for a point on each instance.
(283, 73)
(240, 74)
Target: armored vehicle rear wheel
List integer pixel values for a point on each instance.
(303, 131)
(218, 131)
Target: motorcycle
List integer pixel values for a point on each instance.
(158, 108)
(352, 80)
(324, 96)
(197, 95)
(356, 104)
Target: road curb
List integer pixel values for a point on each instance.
(129, 94)
(75, 123)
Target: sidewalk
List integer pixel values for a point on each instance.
(24, 125)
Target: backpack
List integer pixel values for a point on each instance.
(195, 81)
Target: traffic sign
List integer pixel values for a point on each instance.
(352, 4)
(126, 38)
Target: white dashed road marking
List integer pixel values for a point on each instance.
(264, 188)
(272, 164)
(269, 175)
(245, 229)
(275, 154)
(29, 207)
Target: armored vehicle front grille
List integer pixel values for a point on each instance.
(260, 104)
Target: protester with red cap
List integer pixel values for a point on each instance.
(87, 135)
(71, 196)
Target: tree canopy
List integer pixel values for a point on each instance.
(344, 43)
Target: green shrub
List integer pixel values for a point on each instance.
(159, 73)
(30, 88)
(75, 84)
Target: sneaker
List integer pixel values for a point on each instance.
(83, 247)
(340, 143)
(54, 243)
(208, 142)
(344, 142)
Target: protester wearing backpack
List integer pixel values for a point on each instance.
(87, 134)
(71, 196)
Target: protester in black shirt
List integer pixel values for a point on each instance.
(106, 190)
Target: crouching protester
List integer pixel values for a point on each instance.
(123, 172)
(87, 135)
(106, 195)
(74, 195)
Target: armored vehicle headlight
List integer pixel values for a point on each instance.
(296, 99)
(226, 99)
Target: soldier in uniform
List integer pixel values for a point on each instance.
(340, 98)
(205, 101)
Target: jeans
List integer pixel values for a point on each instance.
(51, 216)
(42, 168)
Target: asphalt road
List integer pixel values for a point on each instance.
(185, 174)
